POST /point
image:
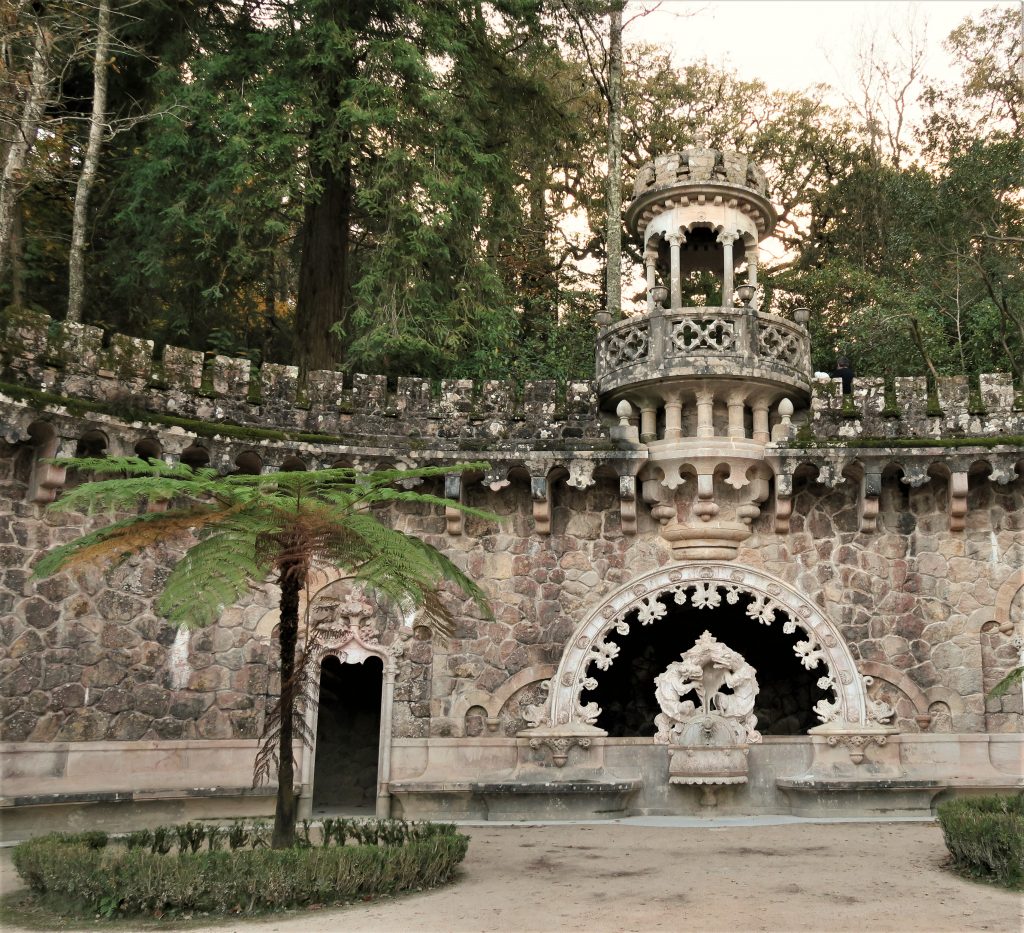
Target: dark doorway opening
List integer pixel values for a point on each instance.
(348, 735)
(787, 692)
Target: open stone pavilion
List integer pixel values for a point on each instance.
(719, 584)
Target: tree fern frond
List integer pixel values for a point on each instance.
(114, 543)
(1014, 677)
(211, 576)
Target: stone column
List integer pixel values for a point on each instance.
(752, 267)
(673, 417)
(675, 241)
(648, 421)
(727, 239)
(761, 433)
(705, 413)
(736, 426)
(387, 712)
(649, 259)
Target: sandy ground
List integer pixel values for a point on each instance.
(865, 877)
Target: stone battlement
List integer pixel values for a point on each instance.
(79, 361)
(82, 362)
(908, 408)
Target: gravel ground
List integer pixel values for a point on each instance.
(626, 877)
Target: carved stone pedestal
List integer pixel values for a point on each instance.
(695, 764)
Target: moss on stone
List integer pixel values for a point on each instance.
(810, 441)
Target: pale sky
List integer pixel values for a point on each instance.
(791, 44)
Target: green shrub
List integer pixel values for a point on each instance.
(985, 836)
(66, 872)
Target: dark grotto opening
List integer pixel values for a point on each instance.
(625, 692)
(348, 734)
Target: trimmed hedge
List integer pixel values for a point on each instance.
(985, 836)
(71, 872)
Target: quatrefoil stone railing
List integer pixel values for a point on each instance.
(730, 342)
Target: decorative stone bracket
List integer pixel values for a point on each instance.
(559, 746)
(454, 518)
(857, 743)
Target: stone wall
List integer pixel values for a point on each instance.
(87, 658)
(119, 375)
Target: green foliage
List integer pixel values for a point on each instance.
(66, 872)
(1010, 680)
(437, 171)
(240, 529)
(985, 836)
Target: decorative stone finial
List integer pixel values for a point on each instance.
(624, 411)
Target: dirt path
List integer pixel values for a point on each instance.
(859, 877)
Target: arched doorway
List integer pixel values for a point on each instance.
(788, 692)
(764, 600)
(345, 771)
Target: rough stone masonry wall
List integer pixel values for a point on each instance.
(87, 659)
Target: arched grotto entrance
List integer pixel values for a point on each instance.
(348, 735)
(625, 691)
(702, 589)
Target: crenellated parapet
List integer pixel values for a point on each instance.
(80, 362)
(906, 408)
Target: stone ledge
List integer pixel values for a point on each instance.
(130, 796)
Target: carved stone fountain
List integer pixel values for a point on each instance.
(708, 743)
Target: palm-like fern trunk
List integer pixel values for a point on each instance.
(288, 631)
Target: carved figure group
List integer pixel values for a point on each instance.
(722, 718)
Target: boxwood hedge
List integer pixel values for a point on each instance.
(985, 836)
(76, 873)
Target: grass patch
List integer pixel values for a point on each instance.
(985, 837)
(194, 870)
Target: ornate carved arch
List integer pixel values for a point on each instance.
(702, 586)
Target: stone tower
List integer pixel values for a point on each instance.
(710, 383)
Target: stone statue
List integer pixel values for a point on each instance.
(722, 718)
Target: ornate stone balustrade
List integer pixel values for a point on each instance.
(709, 341)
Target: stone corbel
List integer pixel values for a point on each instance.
(540, 492)
(581, 474)
(46, 479)
(453, 490)
(915, 475)
(957, 501)
(705, 507)
(627, 504)
(759, 489)
(496, 479)
(559, 746)
(857, 744)
(653, 493)
(870, 492)
(783, 502)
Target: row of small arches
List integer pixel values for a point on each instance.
(95, 443)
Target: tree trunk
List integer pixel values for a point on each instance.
(36, 95)
(539, 306)
(613, 238)
(76, 256)
(17, 249)
(322, 299)
(287, 636)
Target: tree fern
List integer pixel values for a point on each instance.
(239, 531)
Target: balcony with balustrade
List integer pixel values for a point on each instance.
(669, 345)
